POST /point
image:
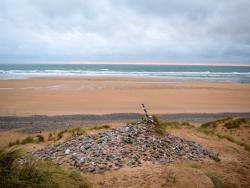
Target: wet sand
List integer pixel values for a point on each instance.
(106, 95)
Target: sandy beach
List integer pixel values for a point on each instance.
(105, 95)
(53, 105)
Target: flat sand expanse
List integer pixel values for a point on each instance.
(104, 95)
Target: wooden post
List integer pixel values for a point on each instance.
(149, 119)
(145, 111)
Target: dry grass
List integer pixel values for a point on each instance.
(162, 126)
(28, 140)
(218, 183)
(76, 131)
(35, 173)
(229, 123)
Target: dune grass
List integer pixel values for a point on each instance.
(161, 126)
(76, 131)
(96, 127)
(28, 140)
(236, 123)
(158, 128)
(231, 139)
(229, 123)
(194, 165)
(42, 174)
(218, 183)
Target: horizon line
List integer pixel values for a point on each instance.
(153, 63)
(104, 62)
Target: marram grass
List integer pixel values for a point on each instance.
(38, 174)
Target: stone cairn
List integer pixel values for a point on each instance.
(130, 145)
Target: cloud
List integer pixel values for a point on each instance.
(175, 30)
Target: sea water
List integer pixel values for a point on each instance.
(187, 72)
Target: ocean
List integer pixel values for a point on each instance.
(187, 72)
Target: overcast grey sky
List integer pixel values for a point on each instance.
(146, 30)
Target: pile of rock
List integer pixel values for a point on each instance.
(129, 145)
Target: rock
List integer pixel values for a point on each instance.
(115, 148)
(67, 151)
(91, 169)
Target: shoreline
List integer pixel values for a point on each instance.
(168, 79)
(129, 76)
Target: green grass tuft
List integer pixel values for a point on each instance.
(158, 128)
(236, 123)
(61, 133)
(39, 138)
(35, 173)
(52, 136)
(77, 131)
(98, 127)
(28, 140)
(17, 142)
(161, 126)
(194, 165)
(217, 182)
(229, 123)
(214, 124)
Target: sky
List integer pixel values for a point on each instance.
(209, 31)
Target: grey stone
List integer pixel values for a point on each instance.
(129, 145)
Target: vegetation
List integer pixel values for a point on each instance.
(161, 126)
(194, 165)
(213, 124)
(229, 123)
(236, 123)
(28, 140)
(206, 129)
(57, 136)
(17, 142)
(231, 139)
(158, 128)
(209, 127)
(217, 181)
(76, 131)
(97, 128)
(35, 173)
(52, 137)
(171, 178)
